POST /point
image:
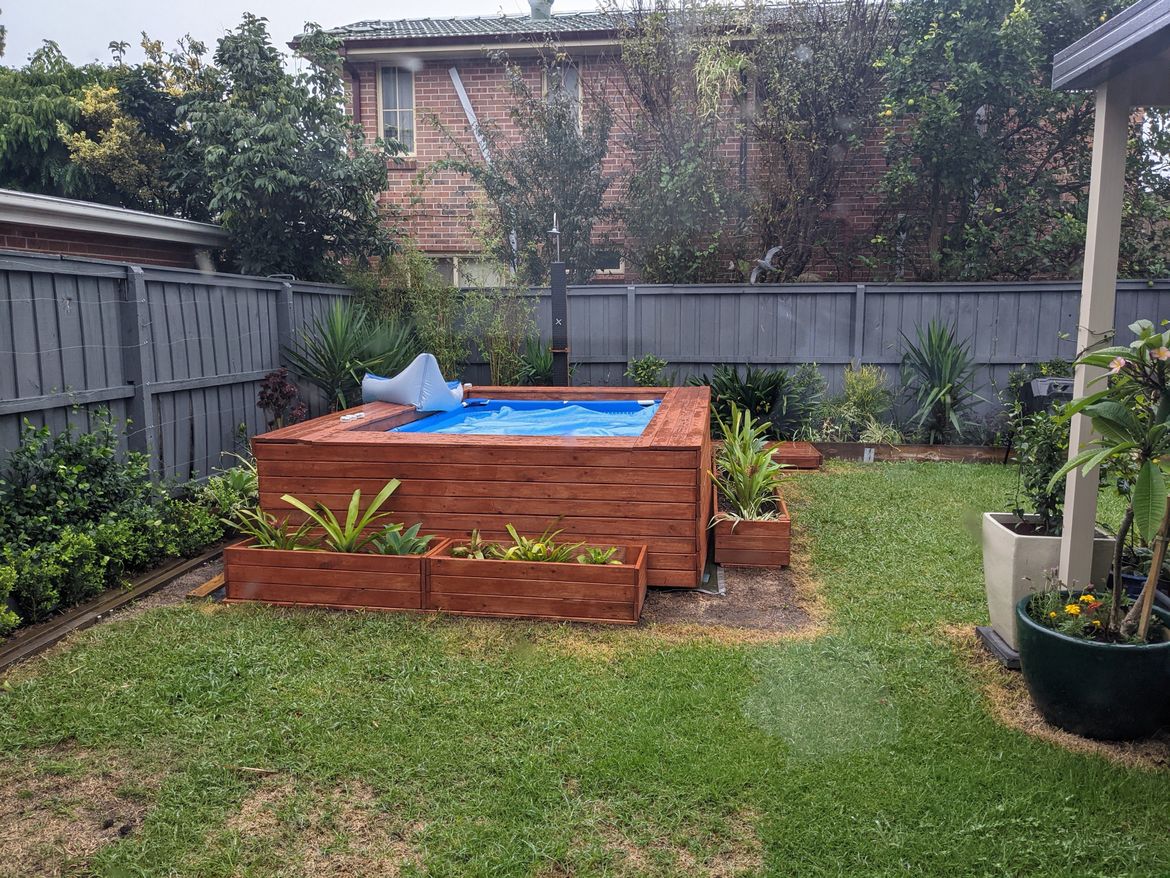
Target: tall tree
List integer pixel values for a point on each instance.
(551, 164)
(682, 70)
(817, 91)
(290, 176)
(988, 166)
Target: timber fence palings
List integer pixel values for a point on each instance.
(180, 353)
(177, 353)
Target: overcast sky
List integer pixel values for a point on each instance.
(84, 28)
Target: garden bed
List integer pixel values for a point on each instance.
(543, 590)
(890, 453)
(746, 543)
(346, 580)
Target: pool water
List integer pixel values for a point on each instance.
(532, 417)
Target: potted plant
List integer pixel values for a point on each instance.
(1097, 663)
(1021, 546)
(358, 561)
(537, 577)
(751, 522)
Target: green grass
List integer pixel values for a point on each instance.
(539, 750)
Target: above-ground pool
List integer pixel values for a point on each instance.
(642, 481)
(539, 417)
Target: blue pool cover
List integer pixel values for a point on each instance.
(538, 417)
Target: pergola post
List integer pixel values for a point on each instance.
(1098, 297)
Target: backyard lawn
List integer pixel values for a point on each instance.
(256, 742)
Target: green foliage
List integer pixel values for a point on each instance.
(1081, 614)
(476, 547)
(8, 619)
(34, 101)
(817, 89)
(647, 371)
(73, 478)
(231, 489)
(501, 322)
(407, 286)
(782, 402)
(343, 344)
(57, 574)
(858, 412)
(291, 178)
(988, 165)
(746, 475)
(536, 362)
(393, 540)
(543, 548)
(938, 375)
(547, 163)
(599, 555)
(681, 70)
(265, 532)
(1041, 446)
(350, 535)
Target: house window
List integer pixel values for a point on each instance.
(566, 78)
(396, 96)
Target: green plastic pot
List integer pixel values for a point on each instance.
(1111, 691)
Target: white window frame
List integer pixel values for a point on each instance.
(413, 101)
(580, 88)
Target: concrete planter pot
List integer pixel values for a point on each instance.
(1014, 566)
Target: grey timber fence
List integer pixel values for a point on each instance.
(177, 353)
(180, 353)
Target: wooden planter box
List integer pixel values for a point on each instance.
(755, 543)
(325, 579)
(539, 590)
(798, 455)
(922, 453)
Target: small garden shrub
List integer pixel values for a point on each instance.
(77, 515)
(647, 371)
(8, 619)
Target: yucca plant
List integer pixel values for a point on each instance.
(393, 540)
(938, 375)
(537, 363)
(350, 535)
(265, 532)
(746, 474)
(343, 344)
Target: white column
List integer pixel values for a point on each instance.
(1098, 296)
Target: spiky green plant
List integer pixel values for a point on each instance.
(350, 535)
(938, 375)
(343, 344)
(266, 532)
(598, 555)
(542, 548)
(393, 540)
(746, 474)
(476, 547)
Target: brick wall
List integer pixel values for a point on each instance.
(434, 207)
(67, 242)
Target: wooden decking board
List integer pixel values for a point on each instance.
(652, 488)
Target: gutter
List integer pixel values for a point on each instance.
(25, 208)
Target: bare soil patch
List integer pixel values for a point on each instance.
(756, 598)
(339, 832)
(59, 807)
(1009, 703)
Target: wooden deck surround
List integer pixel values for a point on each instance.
(649, 489)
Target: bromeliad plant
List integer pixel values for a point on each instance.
(542, 548)
(746, 475)
(353, 534)
(598, 555)
(393, 540)
(1131, 417)
(265, 532)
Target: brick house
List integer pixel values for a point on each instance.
(421, 80)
